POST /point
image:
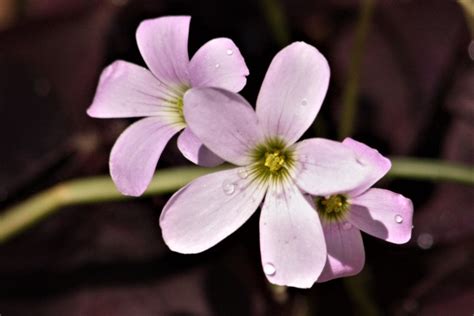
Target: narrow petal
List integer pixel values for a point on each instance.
(292, 92)
(291, 238)
(346, 255)
(195, 151)
(163, 43)
(380, 165)
(224, 122)
(325, 167)
(127, 90)
(136, 152)
(383, 214)
(208, 210)
(219, 64)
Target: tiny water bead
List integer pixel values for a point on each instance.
(228, 187)
(332, 208)
(218, 65)
(304, 102)
(229, 52)
(398, 219)
(346, 226)
(269, 269)
(243, 173)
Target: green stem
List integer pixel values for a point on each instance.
(275, 15)
(25, 214)
(351, 91)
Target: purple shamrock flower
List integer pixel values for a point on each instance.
(128, 90)
(271, 167)
(380, 213)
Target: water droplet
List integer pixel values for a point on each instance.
(243, 173)
(269, 269)
(398, 219)
(304, 102)
(228, 187)
(425, 241)
(346, 226)
(361, 161)
(218, 65)
(229, 52)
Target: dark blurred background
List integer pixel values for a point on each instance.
(416, 98)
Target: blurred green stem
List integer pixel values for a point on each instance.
(468, 8)
(351, 91)
(276, 19)
(101, 189)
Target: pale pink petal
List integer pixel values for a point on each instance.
(383, 214)
(293, 91)
(346, 255)
(209, 209)
(136, 152)
(367, 155)
(127, 90)
(224, 122)
(194, 150)
(291, 238)
(163, 43)
(325, 167)
(219, 64)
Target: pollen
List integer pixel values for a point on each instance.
(332, 208)
(274, 161)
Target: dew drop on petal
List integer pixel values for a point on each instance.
(218, 65)
(228, 187)
(243, 173)
(398, 219)
(346, 226)
(229, 52)
(304, 102)
(269, 269)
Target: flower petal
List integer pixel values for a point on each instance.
(136, 152)
(194, 150)
(346, 255)
(127, 90)
(365, 154)
(219, 64)
(293, 91)
(291, 238)
(383, 214)
(163, 43)
(224, 122)
(208, 210)
(325, 167)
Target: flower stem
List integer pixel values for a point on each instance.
(351, 91)
(25, 214)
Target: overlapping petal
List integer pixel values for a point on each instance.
(163, 44)
(383, 214)
(326, 167)
(293, 91)
(224, 122)
(346, 255)
(366, 155)
(219, 64)
(291, 238)
(195, 151)
(136, 152)
(209, 209)
(127, 90)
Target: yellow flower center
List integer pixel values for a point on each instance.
(332, 208)
(274, 161)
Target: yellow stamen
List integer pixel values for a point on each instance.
(274, 161)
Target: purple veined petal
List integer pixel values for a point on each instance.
(325, 167)
(346, 254)
(163, 43)
(194, 150)
(209, 209)
(292, 92)
(127, 90)
(383, 214)
(291, 238)
(219, 64)
(224, 122)
(380, 165)
(136, 152)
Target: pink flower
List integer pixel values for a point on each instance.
(128, 90)
(271, 167)
(380, 213)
